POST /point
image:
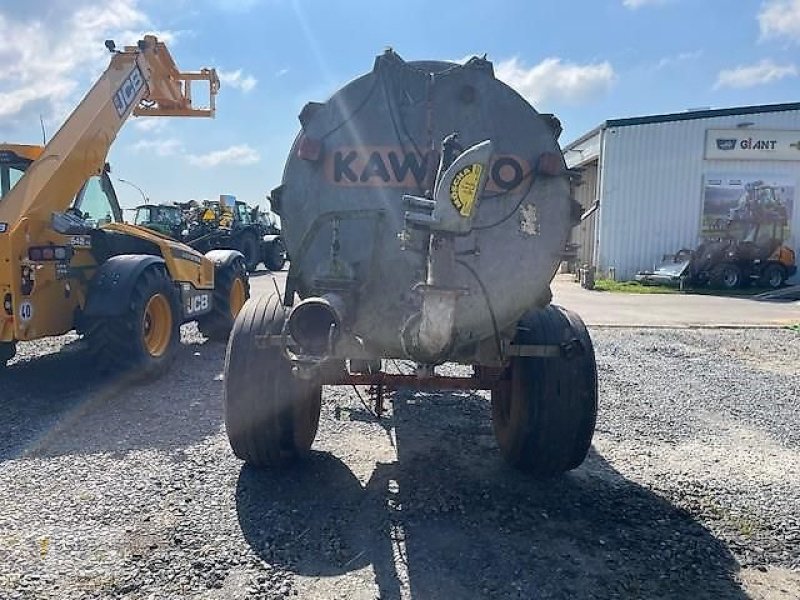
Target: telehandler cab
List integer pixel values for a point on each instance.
(67, 259)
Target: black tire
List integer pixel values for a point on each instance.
(275, 255)
(773, 276)
(121, 343)
(544, 415)
(271, 416)
(248, 246)
(217, 324)
(7, 351)
(726, 276)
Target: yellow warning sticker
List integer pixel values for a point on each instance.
(464, 188)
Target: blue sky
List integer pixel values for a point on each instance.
(584, 60)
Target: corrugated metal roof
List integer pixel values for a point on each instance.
(688, 115)
(704, 114)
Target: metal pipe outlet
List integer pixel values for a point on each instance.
(316, 323)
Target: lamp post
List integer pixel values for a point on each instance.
(136, 187)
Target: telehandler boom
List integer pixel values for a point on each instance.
(67, 261)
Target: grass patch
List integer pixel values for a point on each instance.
(635, 287)
(632, 287)
(795, 327)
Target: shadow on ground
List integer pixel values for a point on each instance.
(60, 404)
(449, 519)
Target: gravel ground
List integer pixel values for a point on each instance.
(691, 489)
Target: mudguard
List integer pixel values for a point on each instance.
(223, 258)
(112, 285)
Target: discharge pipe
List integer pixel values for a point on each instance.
(315, 324)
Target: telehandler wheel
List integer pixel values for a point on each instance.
(271, 416)
(145, 338)
(544, 415)
(231, 291)
(7, 351)
(248, 246)
(275, 256)
(773, 276)
(726, 276)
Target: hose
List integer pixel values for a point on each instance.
(488, 301)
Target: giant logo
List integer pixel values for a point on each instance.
(128, 91)
(726, 143)
(387, 166)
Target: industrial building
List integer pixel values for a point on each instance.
(653, 185)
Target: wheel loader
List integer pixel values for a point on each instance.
(67, 260)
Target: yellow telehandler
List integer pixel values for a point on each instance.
(67, 259)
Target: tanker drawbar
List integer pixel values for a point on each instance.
(426, 207)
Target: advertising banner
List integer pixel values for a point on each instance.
(752, 144)
(736, 205)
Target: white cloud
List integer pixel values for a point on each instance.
(241, 155)
(673, 61)
(780, 19)
(760, 73)
(236, 79)
(51, 49)
(554, 80)
(281, 72)
(160, 147)
(634, 4)
(150, 124)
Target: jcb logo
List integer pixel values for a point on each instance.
(379, 166)
(128, 90)
(197, 304)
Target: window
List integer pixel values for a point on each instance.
(97, 202)
(9, 176)
(142, 216)
(244, 213)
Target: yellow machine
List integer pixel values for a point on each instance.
(67, 260)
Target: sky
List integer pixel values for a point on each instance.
(584, 60)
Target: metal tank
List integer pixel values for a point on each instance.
(426, 207)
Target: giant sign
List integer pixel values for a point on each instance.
(753, 144)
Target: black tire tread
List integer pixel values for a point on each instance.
(115, 342)
(717, 275)
(248, 245)
(7, 351)
(274, 256)
(217, 324)
(765, 276)
(265, 405)
(551, 430)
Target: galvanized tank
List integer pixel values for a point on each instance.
(378, 138)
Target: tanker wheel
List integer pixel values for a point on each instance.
(773, 277)
(143, 340)
(248, 246)
(271, 416)
(7, 351)
(726, 276)
(275, 256)
(231, 291)
(544, 412)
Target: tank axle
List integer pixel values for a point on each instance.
(396, 381)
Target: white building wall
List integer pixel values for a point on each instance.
(651, 186)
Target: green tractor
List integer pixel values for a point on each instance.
(166, 219)
(219, 224)
(273, 252)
